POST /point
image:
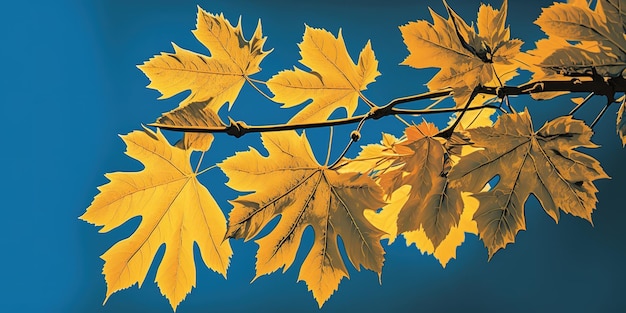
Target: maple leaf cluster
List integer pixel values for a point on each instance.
(430, 185)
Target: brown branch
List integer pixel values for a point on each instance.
(606, 88)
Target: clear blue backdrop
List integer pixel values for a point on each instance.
(70, 85)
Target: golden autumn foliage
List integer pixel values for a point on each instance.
(217, 79)
(303, 193)
(431, 183)
(543, 163)
(334, 81)
(467, 59)
(176, 210)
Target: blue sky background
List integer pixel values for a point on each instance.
(70, 85)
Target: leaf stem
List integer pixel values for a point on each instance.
(597, 119)
(199, 162)
(587, 98)
(252, 83)
(206, 170)
(354, 137)
(330, 146)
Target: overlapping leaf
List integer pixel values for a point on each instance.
(467, 59)
(289, 182)
(600, 33)
(334, 81)
(176, 210)
(387, 220)
(413, 174)
(214, 80)
(432, 204)
(542, 163)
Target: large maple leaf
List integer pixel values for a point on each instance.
(467, 59)
(542, 163)
(217, 79)
(333, 82)
(289, 182)
(176, 210)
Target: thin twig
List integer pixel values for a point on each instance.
(447, 133)
(238, 129)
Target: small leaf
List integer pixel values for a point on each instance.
(193, 115)
(217, 79)
(333, 82)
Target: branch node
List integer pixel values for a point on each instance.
(379, 112)
(536, 87)
(500, 93)
(355, 135)
(236, 128)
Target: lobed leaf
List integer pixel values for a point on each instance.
(214, 80)
(542, 163)
(304, 194)
(175, 209)
(467, 59)
(334, 81)
(581, 41)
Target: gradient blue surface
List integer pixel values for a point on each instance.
(69, 85)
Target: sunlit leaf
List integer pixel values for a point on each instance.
(214, 80)
(621, 121)
(334, 81)
(289, 182)
(175, 209)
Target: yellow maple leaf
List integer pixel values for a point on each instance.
(333, 82)
(289, 182)
(542, 163)
(373, 159)
(175, 209)
(467, 59)
(412, 172)
(217, 79)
